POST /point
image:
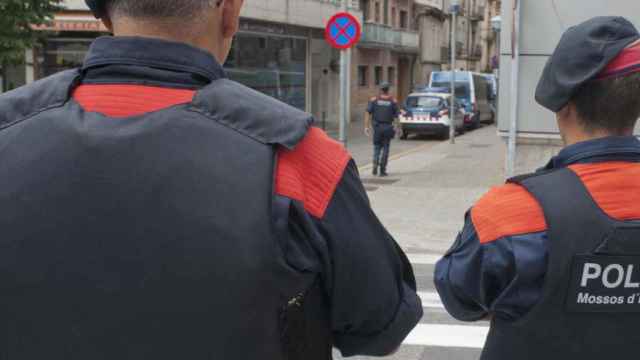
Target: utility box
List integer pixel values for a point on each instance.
(542, 23)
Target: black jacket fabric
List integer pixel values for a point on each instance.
(144, 238)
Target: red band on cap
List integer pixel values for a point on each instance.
(627, 62)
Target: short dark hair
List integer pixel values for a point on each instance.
(611, 104)
(158, 8)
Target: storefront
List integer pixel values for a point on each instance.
(291, 63)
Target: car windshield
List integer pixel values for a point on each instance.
(463, 90)
(424, 102)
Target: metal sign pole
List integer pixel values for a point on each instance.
(344, 67)
(344, 111)
(452, 110)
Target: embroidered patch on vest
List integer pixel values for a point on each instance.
(311, 172)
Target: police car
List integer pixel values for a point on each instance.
(428, 113)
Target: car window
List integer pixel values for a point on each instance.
(424, 102)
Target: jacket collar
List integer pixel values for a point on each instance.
(153, 53)
(614, 148)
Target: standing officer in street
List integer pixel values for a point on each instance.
(153, 209)
(384, 111)
(553, 258)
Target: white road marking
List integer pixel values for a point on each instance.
(431, 300)
(424, 259)
(457, 336)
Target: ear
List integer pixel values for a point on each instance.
(231, 17)
(107, 23)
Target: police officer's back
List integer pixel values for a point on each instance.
(152, 209)
(553, 257)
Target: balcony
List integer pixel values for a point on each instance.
(384, 37)
(352, 4)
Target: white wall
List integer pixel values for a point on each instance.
(542, 25)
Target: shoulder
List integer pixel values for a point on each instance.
(311, 172)
(36, 97)
(507, 210)
(253, 113)
(373, 99)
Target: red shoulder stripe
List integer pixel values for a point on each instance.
(615, 186)
(507, 211)
(120, 101)
(510, 210)
(311, 172)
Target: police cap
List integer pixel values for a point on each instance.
(583, 53)
(98, 7)
(385, 86)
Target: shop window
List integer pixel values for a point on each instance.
(363, 76)
(273, 65)
(378, 75)
(59, 54)
(392, 75)
(404, 19)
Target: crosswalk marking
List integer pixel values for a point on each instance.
(430, 300)
(457, 336)
(423, 259)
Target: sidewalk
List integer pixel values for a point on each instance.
(361, 147)
(423, 202)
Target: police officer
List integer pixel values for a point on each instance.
(553, 258)
(131, 229)
(384, 111)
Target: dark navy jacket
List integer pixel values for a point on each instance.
(498, 262)
(151, 208)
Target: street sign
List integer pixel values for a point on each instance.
(343, 31)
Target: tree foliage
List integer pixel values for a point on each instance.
(17, 19)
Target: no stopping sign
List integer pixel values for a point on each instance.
(343, 31)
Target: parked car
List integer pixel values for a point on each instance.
(428, 113)
(472, 89)
(493, 95)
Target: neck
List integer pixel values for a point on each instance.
(570, 139)
(177, 33)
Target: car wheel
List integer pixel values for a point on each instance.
(445, 135)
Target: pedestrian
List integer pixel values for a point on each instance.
(153, 209)
(383, 112)
(552, 257)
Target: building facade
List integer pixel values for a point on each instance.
(280, 50)
(388, 51)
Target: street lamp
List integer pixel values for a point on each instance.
(455, 8)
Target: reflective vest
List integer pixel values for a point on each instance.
(590, 308)
(144, 237)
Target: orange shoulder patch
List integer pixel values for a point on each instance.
(507, 210)
(311, 172)
(614, 186)
(123, 100)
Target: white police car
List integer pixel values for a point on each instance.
(428, 113)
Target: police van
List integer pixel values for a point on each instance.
(472, 89)
(428, 113)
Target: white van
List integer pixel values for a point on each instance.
(472, 89)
